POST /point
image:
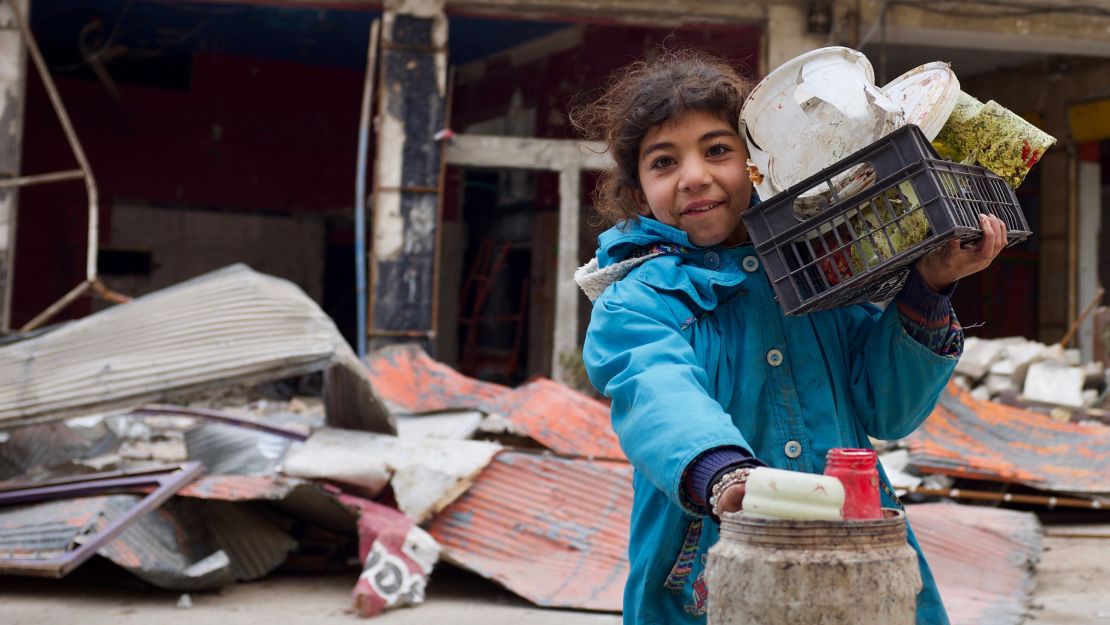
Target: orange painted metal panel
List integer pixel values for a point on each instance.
(982, 559)
(965, 437)
(554, 415)
(553, 531)
(405, 376)
(561, 419)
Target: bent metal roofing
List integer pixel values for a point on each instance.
(965, 437)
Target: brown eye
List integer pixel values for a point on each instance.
(662, 162)
(718, 149)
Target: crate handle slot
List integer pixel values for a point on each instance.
(832, 191)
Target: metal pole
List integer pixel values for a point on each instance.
(57, 306)
(71, 136)
(27, 181)
(360, 188)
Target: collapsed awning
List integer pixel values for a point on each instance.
(226, 327)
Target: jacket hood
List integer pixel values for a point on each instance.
(624, 247)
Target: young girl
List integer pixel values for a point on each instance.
(707, 377)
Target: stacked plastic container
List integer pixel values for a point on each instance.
(880, 197)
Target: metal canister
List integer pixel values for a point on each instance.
(785, 572)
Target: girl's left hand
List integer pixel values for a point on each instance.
(943, 266)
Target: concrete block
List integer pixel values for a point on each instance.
(1005, 367)
(978, 356)
(1054, 383)
(1094, 375)
(997, 384)
(1090, 397)
(982, 393)
(1024, 353)
(1072, 357)
(1053, 352)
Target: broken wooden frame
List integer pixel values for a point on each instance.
(92, 280)
(568, 158)
(166, 481)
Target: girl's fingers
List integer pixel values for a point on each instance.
(1000, 240)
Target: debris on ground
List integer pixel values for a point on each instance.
(229, 326)
(1044, 378)
(250, 462)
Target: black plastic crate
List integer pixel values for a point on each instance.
(850, 233)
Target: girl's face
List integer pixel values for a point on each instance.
(693, 176)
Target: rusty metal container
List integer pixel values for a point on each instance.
(786, 572)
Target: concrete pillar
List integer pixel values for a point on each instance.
(407, 187)
(13, 65)
(786, 34)
(1090, 224)
(567, 294)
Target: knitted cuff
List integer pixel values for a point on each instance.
(927, 316)
(924, 305)
(707, 467)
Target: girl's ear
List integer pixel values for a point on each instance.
(641, 202)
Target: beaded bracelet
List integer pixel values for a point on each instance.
(728, 480)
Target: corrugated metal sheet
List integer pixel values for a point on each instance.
(185, 545)
(982, 559)
(425, 474)
(297, 498)
(249, 534)
(242, 487)
(554, 531)
(561, 419)
(167, 548)
(229, 326)
(47, 530)
(27, 453)
(230, 450)
(965, 437)
(554, 415)
(162, 483)
(408, 379)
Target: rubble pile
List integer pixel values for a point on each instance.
(388, 466)
(1044, 378)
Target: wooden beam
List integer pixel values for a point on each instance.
(526, 153)
(565, 339)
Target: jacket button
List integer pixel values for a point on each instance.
(750, 264)
(712, 260)
(774, 358)
(793, 449)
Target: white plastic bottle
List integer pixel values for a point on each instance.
(779, 494)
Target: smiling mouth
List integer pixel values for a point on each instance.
(702, 209)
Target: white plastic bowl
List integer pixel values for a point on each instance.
(811, 112)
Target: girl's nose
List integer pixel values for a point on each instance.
(695, 176)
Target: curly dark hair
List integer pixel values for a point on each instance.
(642, 96)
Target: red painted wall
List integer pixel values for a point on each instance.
(248, 135)
(254, 134)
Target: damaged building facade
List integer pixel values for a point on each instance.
(224, 132)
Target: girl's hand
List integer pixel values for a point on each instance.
(943, 266)
(732, 500)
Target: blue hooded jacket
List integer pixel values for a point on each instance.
(695, 353)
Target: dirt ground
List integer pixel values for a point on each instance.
(1073, 578)
(1073, 588)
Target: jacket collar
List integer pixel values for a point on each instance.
(631, 244)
